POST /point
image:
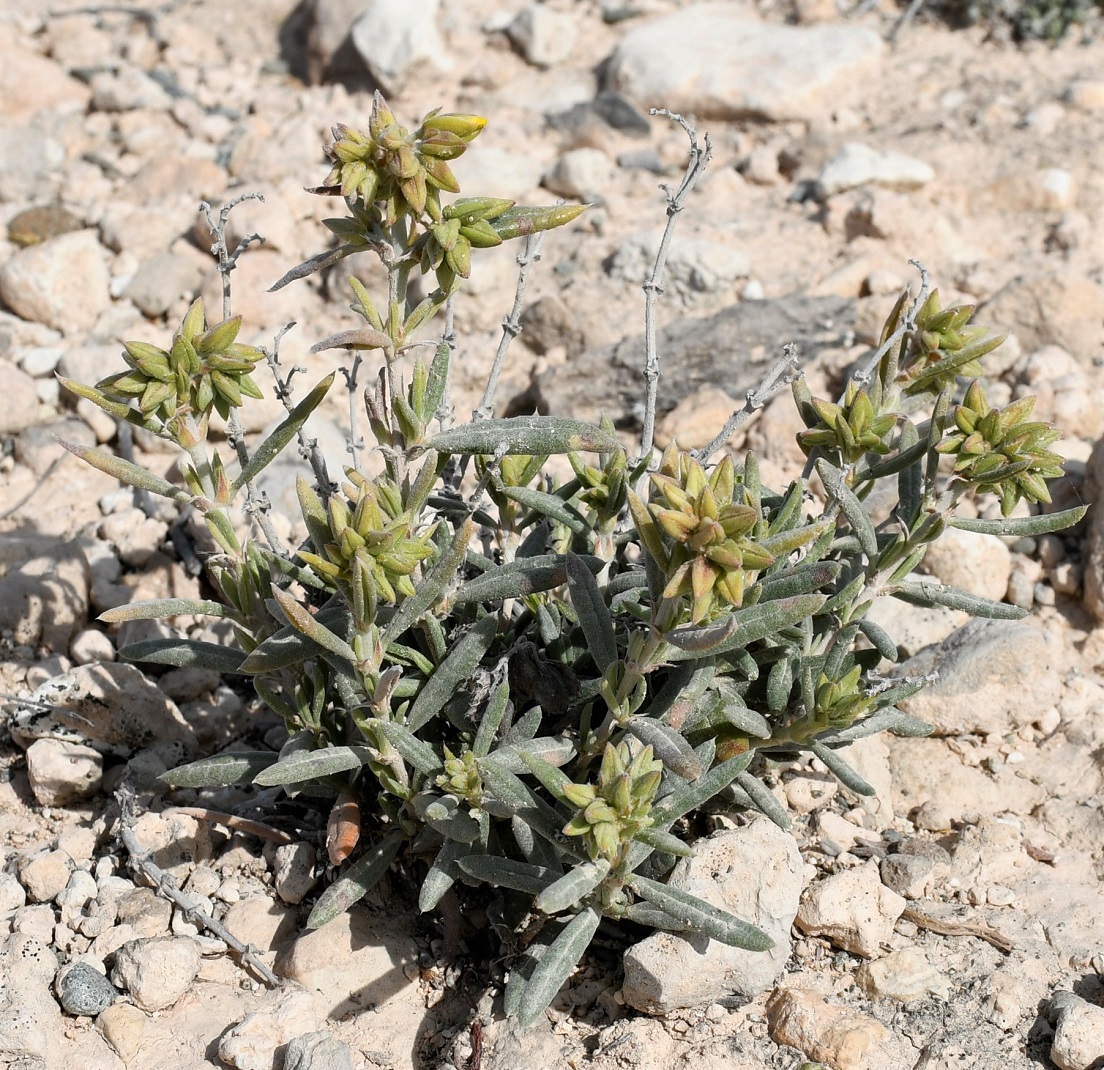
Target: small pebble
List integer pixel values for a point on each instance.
(83, 990)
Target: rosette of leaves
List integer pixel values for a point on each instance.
(1001, 451)
(851, 429)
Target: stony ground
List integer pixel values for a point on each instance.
(957, 919)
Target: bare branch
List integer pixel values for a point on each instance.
(700, 155)
(511, 325)
(141, 860)
(781, 374)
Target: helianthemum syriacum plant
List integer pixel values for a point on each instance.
(515, 678)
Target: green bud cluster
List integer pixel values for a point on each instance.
(205, 368)
(613, 811)
(365, 538)
(389, 163)
(852, 428)
(1002, 452)
(707, 549)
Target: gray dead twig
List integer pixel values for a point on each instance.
(142, 861)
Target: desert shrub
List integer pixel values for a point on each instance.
(1025, 20)
(536, 680)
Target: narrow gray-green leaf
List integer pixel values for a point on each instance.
(454, 671)
(520, 577)
(684, 799)
(441, 875)
(853, 509)
(312, 764)
(448, 818)
(887, 720)
(594, 615)
(128, 472)
(508, 873)
(549, 505)
(645, 914)
(758, 621)
(555, 750)
(668, 745)
(804, 579)
(280, 651)
(492, 719)
(764, 800)
(556, 966)
(270, 449)
(432, 585)
(521, 801)
(184, 654)
(664, 842)
(553, 780)
(841, 770)
(357, 880)
(532, 435)
(879, 638)
(936, 594)
(166, 607)
(312, 628)
(572, 887)
(315, 263)
(220, 770)
(703, 639)
(1020, 526)
(416, 751)
(701, 916)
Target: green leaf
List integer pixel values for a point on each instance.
(804, 579)
(879, 638)
(301, 620)
(684, 799)
(1020, 526)
(936, 594)
(455, 671)
(128, 472)
(220, 770)
(508, 873)
(441, 876)
(764, 800)
(594, 615)
(315, 263)
(519, 800)
(703, 639)
(555, 967)
(664, 842)
(549, 505)
(356, 881)
(514, 757)
(701, 916)
(285, 648)
(853, 509)
(525, 435)
(492, 719)
(446, 816)
(432, 585)
(668, 745)
(416, 751)
(522, 576)
(759, 621)
(270, 449)
(184, 654)
(887, 720)
(303, 765)
(841, 770)
(166, 607)
(572, 887)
